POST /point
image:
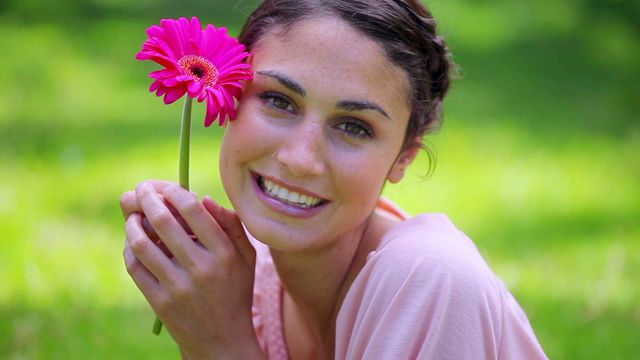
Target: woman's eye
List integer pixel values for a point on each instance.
(357, 129)
(277, 101)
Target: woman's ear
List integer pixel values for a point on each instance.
(403, 161)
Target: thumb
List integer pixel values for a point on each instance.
(232, 226)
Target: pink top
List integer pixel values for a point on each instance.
(425, 293)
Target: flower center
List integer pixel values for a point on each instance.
(200, 68)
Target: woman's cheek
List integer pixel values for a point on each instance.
(358, 173)
(251, 137)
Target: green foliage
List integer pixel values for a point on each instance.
(537, 162)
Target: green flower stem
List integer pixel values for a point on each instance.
(183, 167)
(157, 326)
(185, 139)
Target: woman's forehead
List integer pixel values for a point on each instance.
(329, 55)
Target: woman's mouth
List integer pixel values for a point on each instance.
(288, 196)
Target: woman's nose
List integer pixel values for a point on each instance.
(301, 151)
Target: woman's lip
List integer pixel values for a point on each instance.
(286, 208)
(299, 190)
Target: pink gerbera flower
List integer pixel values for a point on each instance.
(205, 64)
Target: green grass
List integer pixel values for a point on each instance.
(537, 162)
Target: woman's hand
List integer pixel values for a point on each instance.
(201, 285)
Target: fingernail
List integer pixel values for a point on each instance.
(214, 204)
(171, 189)
(144, 187)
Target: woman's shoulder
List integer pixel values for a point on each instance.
(423, 261)
(427, 280)
(430, 239)
(430, 246)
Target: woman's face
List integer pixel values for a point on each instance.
(318, 132)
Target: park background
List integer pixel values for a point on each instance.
(538, 162)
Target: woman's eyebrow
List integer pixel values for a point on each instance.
(285, 81)
(347, 105)
(357, 105)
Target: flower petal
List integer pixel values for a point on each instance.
(213, 108)
(196, 35)
(173, 95)
(173, 39)
(194, 88)
(173, 36)
(155, 86)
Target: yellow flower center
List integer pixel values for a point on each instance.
(200, 68)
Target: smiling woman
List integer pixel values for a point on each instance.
(326, 107)
(311, 262)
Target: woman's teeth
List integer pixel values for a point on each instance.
(292, 197)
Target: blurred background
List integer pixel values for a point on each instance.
(538, 162)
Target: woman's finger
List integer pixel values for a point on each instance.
(167, 226)
(142, 277)
(159, 185)
(129, 201)
(147, 253)
(232, 226)
(129, 204)
(201, 222)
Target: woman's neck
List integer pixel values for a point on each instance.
(314, 279)
(316, 282)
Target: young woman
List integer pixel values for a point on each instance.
(311, 262)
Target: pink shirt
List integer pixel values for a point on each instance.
(425, 293)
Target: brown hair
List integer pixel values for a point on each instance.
(404, 28)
